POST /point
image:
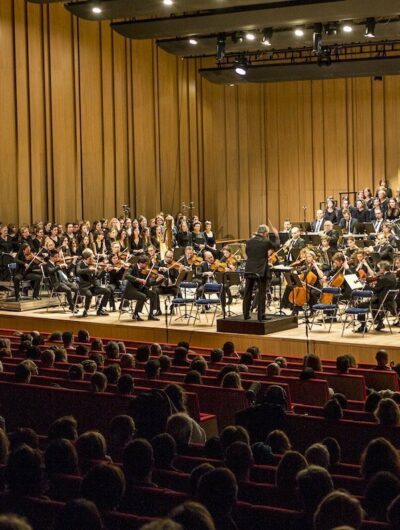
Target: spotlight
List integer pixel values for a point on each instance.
(267, 36)
(241, 70)
(347, 28)
(370, 28)
(250, 36)
(221, 43)
(299, 32)
(317, 38)
(241, 66)
(96, 10)
(168, 2)
(193, 41)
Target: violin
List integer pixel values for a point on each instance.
(195, 260)
(219, 266)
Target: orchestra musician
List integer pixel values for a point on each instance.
(28, 269)
(138, 288)
(391, 237)
(116, 270)
(332, 235)
(382, 247)
(257, 269)
(293, 245)
(89, 273)
(287, 227)
(170, 270)
(318, 224)
(351, 247)
(379, 220)
(326, 253)
(385, 280)
(7, 245)
(360, 266)
(55, 270)
(348, 223)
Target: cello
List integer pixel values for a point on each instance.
(301, 295)
(337, 280)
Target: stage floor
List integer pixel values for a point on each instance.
(293, 342)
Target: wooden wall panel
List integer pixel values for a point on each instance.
(89, 121)
(8, 131)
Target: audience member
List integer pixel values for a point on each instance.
(79, 514)
(164, 451)
(279, 442)
(379, 455)
(381, 490)
(217, 490)
(338, 509)
(317, 455)
(104, 484)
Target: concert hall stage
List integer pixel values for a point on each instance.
(292, 342)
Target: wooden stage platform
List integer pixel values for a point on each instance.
(292, 342)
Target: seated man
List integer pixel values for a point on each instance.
(89, 284)
(58, 280)
(386, 280)
(138, 288)
(28, 269)
(170, 271)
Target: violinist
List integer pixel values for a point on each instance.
(138, 288)
(293, 245)
(385, 280)
(170, 270)
(153, 256)
(191, 260)
(89, 285)
(55, 270)
(28, 269)
(229, 259)
(206, 268)
(115, 270)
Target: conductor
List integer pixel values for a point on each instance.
(257, 270)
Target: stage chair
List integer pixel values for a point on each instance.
(51, 291)
(186, 299)
(388, 308)
(354, 310)
(211, 297)
(327, 311)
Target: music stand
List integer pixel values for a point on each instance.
(293, 280)
(283, 237)
(315, 239)
(305, 226)
(369, 228)
(227, 279)
(178, 253)
(184, 276)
